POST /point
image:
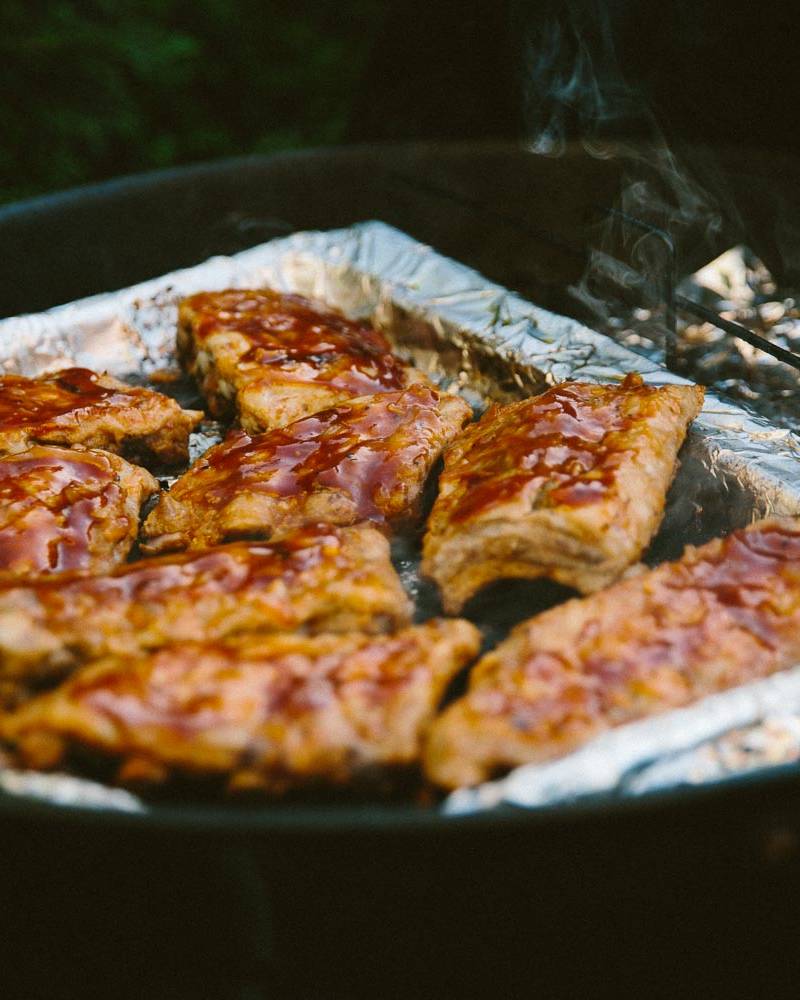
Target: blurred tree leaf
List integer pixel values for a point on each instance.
(99, 88)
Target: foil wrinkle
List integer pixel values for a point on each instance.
(484, 342)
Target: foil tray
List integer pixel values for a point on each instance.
(482, 341)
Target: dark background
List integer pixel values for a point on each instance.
(99, 88)
(106, 87)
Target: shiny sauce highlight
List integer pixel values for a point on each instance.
(50, 503)
(298, 340)
(30, 401)
(360, 449)
(563, 442)
(238, 568)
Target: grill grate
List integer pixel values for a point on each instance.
(666, 295)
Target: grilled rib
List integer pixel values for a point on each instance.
(367, 459)
(271, 712)
(722, 615)
(322, 579)
(271, 358)
(79, 407)
(568, 485)
(62, 509)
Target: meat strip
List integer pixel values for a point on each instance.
(568, 485)
(269, 712)
(724, 614)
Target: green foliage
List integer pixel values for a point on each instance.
(96, 88)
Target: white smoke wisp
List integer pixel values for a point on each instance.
(576, 92)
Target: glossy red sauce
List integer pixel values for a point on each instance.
(228, 569)
(564, 440)
(749, 582)
(299, 340)
(50, 501)
(25, 401)
(362, 449)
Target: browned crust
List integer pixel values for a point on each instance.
(722, 615)
(322, 579)
(580, 517)
(367, 459)
(76, 406)
(272, 712)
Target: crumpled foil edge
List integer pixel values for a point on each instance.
(613, 761)
(374, 271)
(68, 790)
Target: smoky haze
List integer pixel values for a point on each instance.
(576, 93)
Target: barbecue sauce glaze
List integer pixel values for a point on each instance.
(361, 449)
(30, 402)
(51, 499)
(243, 569)
(292, 339)
(561, 447)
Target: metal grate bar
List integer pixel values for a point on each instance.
(671, 299)
(669, 278)
(737, 330)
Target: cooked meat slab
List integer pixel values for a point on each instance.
(568, 485)
(366, 459)
(722, 615)
(62, 509)
(268, 711)
(273, 358)
(322, 579)
(79, 407)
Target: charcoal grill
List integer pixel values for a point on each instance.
(676, 891)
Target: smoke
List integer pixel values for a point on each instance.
(574, 85)
(576, 94)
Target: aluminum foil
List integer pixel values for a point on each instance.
(660, 751)
(737, 286)
(484, 342)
